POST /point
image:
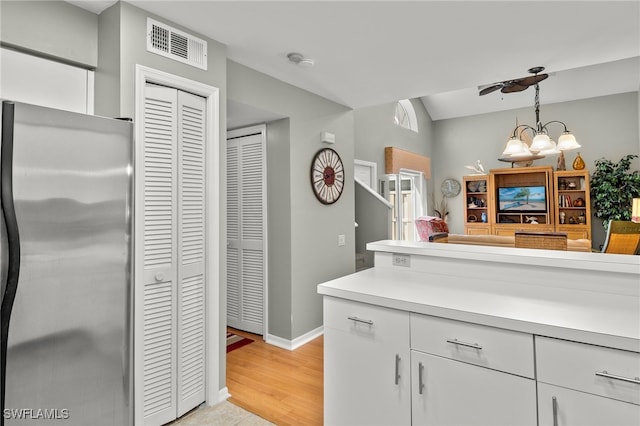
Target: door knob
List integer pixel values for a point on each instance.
(159, 276)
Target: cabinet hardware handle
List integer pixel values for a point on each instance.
(397, 368)
(364, 321)
(420, 377)
(604, 373)
(469, 345)
(554, 405)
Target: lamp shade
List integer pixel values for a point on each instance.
(515, 146)
(635, 210)
(551, 151)
(541, 142)
(567, 141)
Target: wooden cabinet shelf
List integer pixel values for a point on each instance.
(528, 199)
(477, 205)
(521, 199)
(572, 203)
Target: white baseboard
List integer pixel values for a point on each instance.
(295, 343)
(223, 395)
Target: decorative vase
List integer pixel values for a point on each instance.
(578, 163)
(561, 164)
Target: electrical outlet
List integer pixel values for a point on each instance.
(341, 240)
(401, 260)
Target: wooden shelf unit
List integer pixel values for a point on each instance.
(572, 203)
(506, 222)
(477, 212)
(567, 195)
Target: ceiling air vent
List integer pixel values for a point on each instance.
(175, 44)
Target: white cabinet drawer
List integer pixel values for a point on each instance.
(490, 347)
(585, 368)
(361, 319)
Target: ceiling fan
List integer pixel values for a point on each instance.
(517, 85)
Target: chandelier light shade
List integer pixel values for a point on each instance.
(541, 142)
(551, 151)
(515, 146)
(567, 141)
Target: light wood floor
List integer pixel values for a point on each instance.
(284, 387)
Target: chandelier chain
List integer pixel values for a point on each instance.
(537, 104)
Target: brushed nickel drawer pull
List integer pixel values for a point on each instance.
(554, 406)
(364, 321)
(397, 368)
(469, 345)
(621, 378)
(420, 377)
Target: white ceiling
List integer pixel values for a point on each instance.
(372, 52)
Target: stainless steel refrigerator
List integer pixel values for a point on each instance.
(66, 267)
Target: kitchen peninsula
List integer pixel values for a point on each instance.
(453, 334)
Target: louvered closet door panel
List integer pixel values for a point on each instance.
(245, 221)
(252, 219)
(233, 234)
(191, 226)
(159, 328)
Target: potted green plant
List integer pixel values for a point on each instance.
(613, 187)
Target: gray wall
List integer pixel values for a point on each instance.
(605, 127)
(279, 225)
(311, 234)
(53, 29)
(375, 130)
(373, 219)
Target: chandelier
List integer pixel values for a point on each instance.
(516, 150)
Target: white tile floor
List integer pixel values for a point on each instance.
(223, 414)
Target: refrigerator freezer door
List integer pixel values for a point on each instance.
(68, 351)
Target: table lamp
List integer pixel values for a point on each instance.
(635, 210)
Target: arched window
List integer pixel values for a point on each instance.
(405, 115)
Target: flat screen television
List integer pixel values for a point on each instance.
(522, 199)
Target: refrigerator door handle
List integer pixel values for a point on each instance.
(11, 230)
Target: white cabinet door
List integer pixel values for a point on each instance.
(366, 364)
(574, 408)
(447, 392)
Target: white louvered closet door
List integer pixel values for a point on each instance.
(246, 218)
(160, 271)
(191, 228)
(173, 228)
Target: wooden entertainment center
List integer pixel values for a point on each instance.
(535, 199)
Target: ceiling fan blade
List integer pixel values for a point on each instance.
(532, 79)
(491, 88)
(513, 88)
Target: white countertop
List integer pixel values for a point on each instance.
(546, 258)
(601, 318)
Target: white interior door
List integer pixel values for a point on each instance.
(172, 339)
(246, 229)
(191, 231)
